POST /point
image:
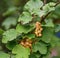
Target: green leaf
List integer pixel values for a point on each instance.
(12, 56)
(1, 31)
(38, 46)
(10, 21)
(10, 10)
(55, 41)
(21, 52)
(49, 23)
(9, 35)
(30, 36)
(47, 35)
(49, 7)
(34, 55)
(33, 6)
(39, 13)
(11, 45)
(38, 55)
(57, 28)
(24, 29)
(25, 18)
(48, 55)
(4, 55)
(55, 14)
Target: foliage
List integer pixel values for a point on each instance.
(18, 49)
(29, 28)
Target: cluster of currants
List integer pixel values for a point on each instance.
(38, 29)
(26, 43)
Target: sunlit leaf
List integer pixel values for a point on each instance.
(21, 52)
(9, 35)
(24, 29)
(25, 18)
(33, 6)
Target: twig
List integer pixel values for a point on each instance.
(44, 17)
(45, 1)
(57, 3)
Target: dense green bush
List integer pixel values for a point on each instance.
(29, 28)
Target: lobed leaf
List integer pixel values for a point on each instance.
(33, 6)
(25, 18)
(8, 22)
(38, 46)
(21, 52)
(24, 29)
(9, 35)
(47, 35)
